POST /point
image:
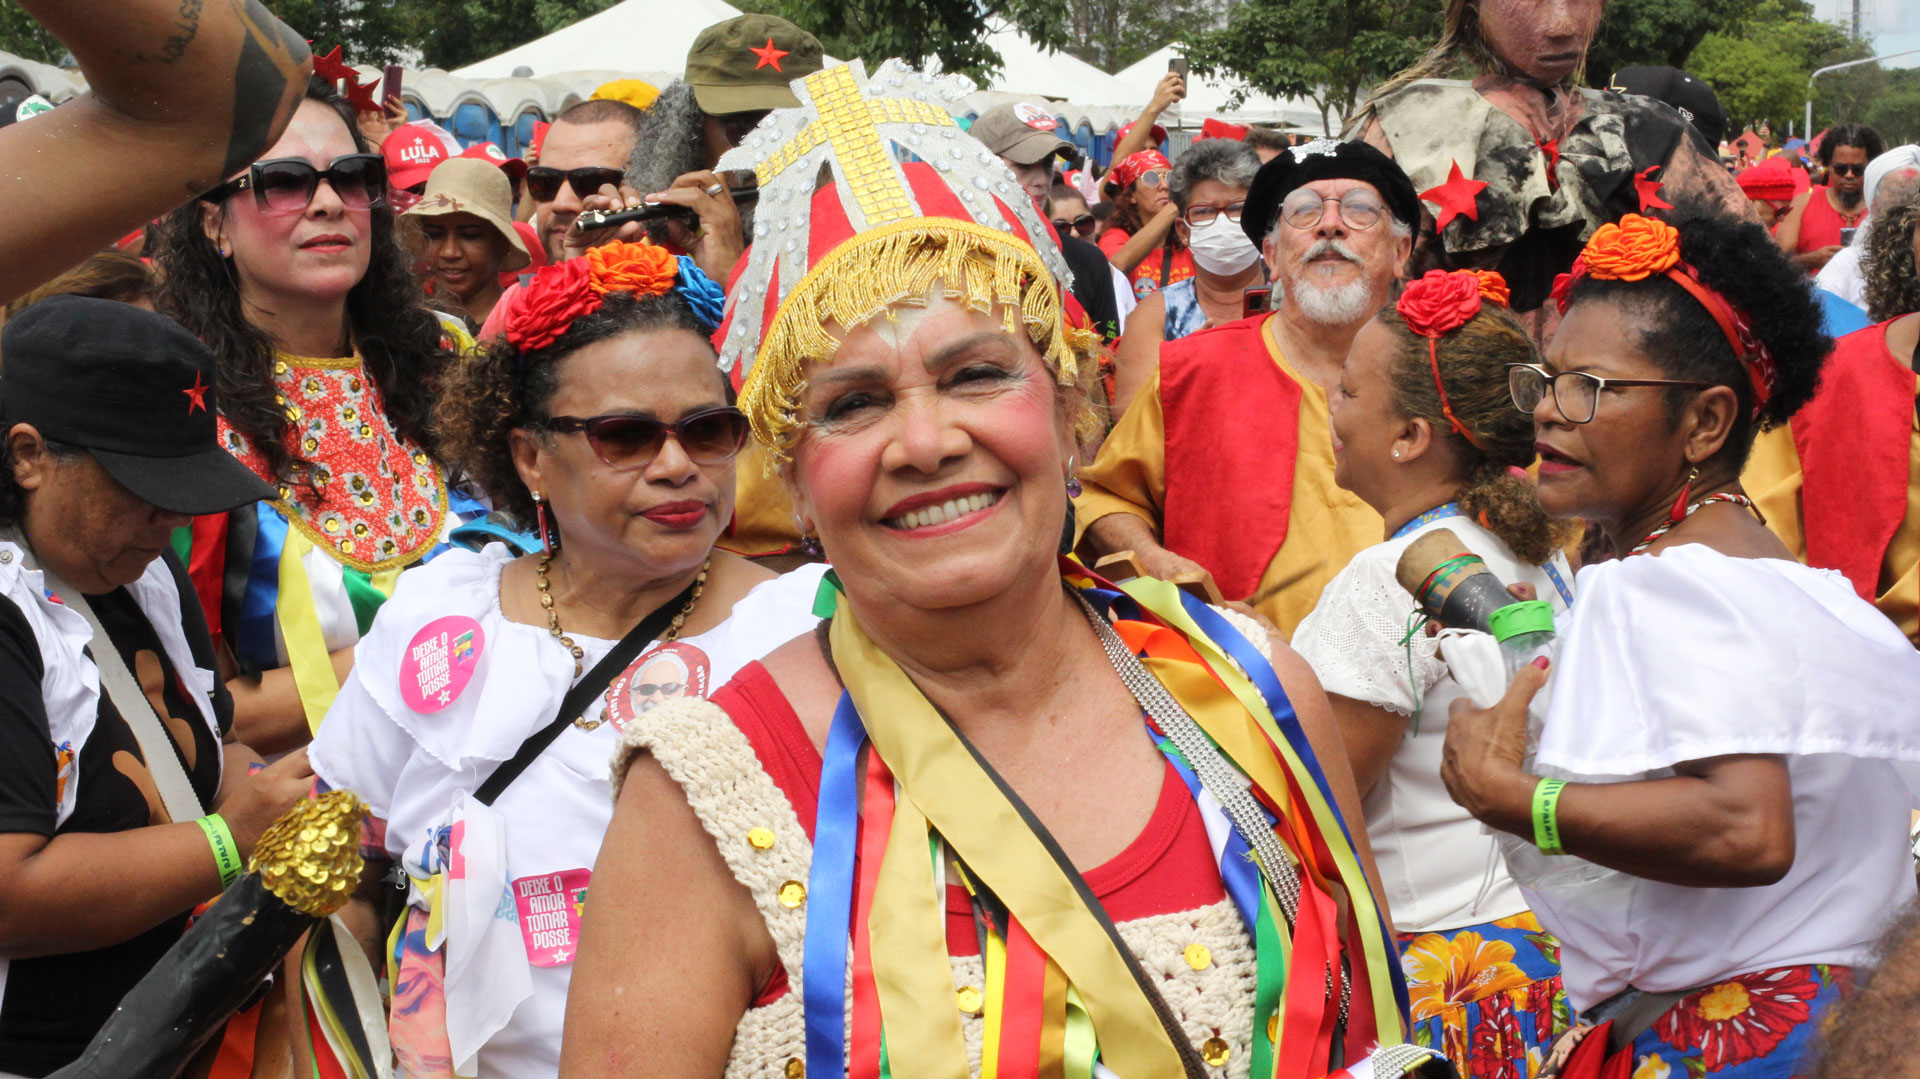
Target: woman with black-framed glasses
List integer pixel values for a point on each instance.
(602, 419)
(1713, 813)
(327, 362)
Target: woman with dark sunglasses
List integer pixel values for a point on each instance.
(1719, 793)
(1812, 230)
(604, 418)
(327, 360)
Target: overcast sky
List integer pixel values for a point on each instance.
(1895, 24)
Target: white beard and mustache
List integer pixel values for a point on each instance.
(1333, 305)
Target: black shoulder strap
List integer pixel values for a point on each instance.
(584, 691)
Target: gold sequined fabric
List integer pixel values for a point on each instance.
(310, 857)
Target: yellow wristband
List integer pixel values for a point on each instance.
(226, 853)
(1546, 816)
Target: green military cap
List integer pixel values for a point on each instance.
(745, 64)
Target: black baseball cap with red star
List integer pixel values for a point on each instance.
(745, 64)
(132, 388)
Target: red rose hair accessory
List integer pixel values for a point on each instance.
(1641, 247)
(1438, 304)
(539, 313)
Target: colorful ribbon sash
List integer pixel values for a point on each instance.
(901, 788)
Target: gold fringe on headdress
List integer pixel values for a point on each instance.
(901, 263)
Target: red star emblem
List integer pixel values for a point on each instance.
(360, 95)
(330, 68)
(196, 394)
(1648, 188)
(1455, 197)
(769, 57)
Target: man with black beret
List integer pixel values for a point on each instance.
(1223, 463)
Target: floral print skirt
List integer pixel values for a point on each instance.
(1487, 996)
(1751, 1026)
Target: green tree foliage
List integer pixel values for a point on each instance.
(1759, 67)
(430, 33)
(916, 30)
(1657, 32)
(1895, 111)
(1113, 34)
(1332, 51)
(24, 38)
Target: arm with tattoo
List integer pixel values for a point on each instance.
(184, 93)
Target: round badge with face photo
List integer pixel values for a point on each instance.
(670, 672)
(1034, 116)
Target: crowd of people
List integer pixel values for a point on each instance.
(899, 599)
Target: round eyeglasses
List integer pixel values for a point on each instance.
(1358, 209)
(1576, 394)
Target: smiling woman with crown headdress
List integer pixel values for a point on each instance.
(973, 821)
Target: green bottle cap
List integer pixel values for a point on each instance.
(1529, 616)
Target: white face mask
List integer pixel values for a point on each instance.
(1221, 248)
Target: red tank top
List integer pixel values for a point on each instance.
(1168, 868)
(1820, 223)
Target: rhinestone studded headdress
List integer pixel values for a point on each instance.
(881, 233)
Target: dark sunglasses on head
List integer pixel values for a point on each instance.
(622, 440)
(544, 183)
(1082, 225)
(285, 185)
(1846, 168)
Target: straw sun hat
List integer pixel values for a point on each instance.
(473, 186)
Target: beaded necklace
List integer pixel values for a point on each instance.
(1718, 496)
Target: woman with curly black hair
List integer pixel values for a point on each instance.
(1424, 433)
(1837, 485)
(604, 416)
(1721, 776)
(327, 360)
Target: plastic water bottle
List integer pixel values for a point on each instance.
(1525, 632)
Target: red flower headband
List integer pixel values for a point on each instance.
(1438, 304)
(542, 309)
(1641, 247)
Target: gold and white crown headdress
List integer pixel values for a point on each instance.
(913, 201)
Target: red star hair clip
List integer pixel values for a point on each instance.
(1457, 197)
(330, 68)
(360, 95)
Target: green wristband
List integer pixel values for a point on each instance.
(226, 853)
(1546, 816)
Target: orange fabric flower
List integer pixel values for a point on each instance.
(1633, 250)
(1493, 287)
(639, 268)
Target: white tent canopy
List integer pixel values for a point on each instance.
(634, 36)
(1029, 72)
(1207, 98)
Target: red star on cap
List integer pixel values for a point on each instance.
(196, 394)
(360, 95)
(769, 57)
(330, 68)
(1455, 197)
(1648, 188)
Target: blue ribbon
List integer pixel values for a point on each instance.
(1237, 872)
(830, 893)
(708, 300)
(1260, 672)
(1438, 513)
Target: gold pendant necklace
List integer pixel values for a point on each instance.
(553, 621)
